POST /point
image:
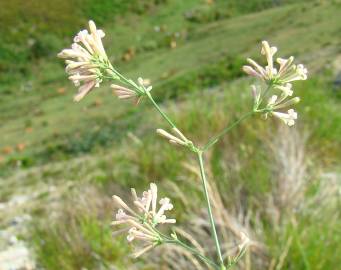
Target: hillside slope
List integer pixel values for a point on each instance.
(37, 110)
(61, 161)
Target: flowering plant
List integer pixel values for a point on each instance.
(88, 65)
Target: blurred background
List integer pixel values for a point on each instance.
(60, 162)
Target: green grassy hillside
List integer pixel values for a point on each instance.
(213, 53)
(59, 153)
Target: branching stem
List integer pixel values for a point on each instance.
(216, 138)
(199, 152)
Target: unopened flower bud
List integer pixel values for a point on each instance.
(170, 137)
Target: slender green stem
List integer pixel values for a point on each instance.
(194, 252)
(215, 139)
(264, 94)
(209, 209)
(122, 78)
(159, 110)
(203, 177)
(168, 240)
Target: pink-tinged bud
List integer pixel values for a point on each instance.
(255, 93)
(172, 139)
(250, 71)
(123, 92)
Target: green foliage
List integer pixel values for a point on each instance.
(313, 244)
(106, 10)
(44, 46)
(85, 243)
(208, 76)
(202, 75)
(43, 25)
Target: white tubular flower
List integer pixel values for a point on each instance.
(269, 52)
(145, 84)
(286, 73)
(85, 60)
(272, 101)
(275, 103)
(288, 118)
(286, 89)
(165, 206)
(147, 205)
(293, 73)
(256, 70)
(141, 223)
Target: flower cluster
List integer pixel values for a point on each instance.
(277, 79)
(87, 65)
(141, 223)
(85, 60)
(287, 72)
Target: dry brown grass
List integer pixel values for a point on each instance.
(290, 179)
(290, 176)
(289, 183)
